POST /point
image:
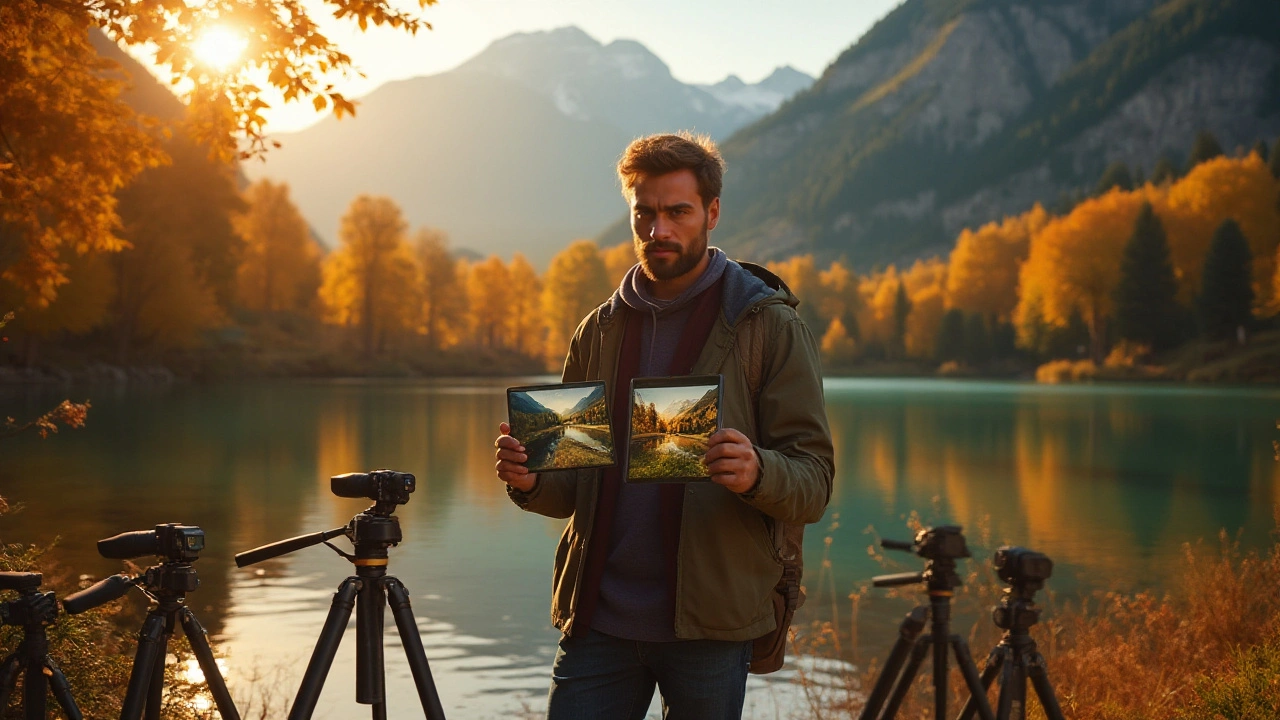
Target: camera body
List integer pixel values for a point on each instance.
(1021, 567)
(386, 488)
(172, 542)
(944, 542)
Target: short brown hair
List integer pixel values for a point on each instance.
(662, 154)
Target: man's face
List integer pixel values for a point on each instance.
(669, 225)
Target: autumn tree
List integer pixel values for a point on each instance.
(617, 261)
(1275, 159)
(1225, 303)
(525, 327)
(576, 282)
(488, 287)
(841, 298)
(838, 346)
(901, 309)
(982, 273)
(925, 285)
(443, 297)
(279, 266)
(800, 274)
(949, 347)
(1205, 147)
(82, 305)
(1164, 171)
(370, 281)
(1261, 150)
(1145, 299)
(66, 142)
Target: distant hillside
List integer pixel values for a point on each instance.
(520, 402)
(596, 395)
(513, 150)
(951, 113)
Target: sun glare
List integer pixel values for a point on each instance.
(219, 47)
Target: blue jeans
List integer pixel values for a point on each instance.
(601, 677)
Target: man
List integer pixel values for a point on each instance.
(669, 584)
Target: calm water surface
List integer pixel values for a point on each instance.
(1109, 481)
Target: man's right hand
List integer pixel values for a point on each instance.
(511, 459)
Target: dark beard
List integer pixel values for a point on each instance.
(683, 264)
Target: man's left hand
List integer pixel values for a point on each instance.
(732, 461)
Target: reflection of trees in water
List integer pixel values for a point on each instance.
(569, 446)
(667, 455)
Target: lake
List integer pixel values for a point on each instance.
(1107, 480)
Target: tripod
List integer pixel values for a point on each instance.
(34, 611)
(166, 585)
(368, 592)
(1015, 658)
(940, 547)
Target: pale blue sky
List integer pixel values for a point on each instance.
(560, 399)
(663, 397)
(701, 41)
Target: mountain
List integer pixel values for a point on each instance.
(676, 408)
(766, 95)
(511, 151)
(521, 402)
(596, 396)
(951, 113)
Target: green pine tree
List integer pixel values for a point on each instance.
(950, 343)
(977, 341)
(1164, 171)
(1275, 159)
(1116, 175)
(901, 309)
(1226, 287)
(1206, 147)
(1261, 150)
(1145, 298)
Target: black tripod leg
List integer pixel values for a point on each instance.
(199, 640)
(977, 690)
(326, 647)
(370, 683)
(994, 661)
(908, 631)
(1008, 689)
(155, 692)
(35, 689)
(62, 690)
(412, 641)
(908, 676)
(1044, 690)
(144, 662)
(9, 676)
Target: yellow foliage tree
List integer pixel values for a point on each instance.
(838, 347)
(875, 317)
(576, 282)
(840, 296)
(926, 284)
(525, 327)
(279, 266)
(1074, 264)
(1242, 189)
(443, 297)
(617, 261)
(488, 285)
(983, 268)
(371, 281)
(801, 275)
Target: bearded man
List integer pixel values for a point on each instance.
(669, 585)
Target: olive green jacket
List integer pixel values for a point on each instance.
(728, 560)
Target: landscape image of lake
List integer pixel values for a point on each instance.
(562, 426)
(671, 421)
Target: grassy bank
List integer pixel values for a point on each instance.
(1207, 648)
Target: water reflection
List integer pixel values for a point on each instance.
(1109, 481)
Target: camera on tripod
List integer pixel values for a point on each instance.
(386, 488)
(1022, 568)
(171, 541)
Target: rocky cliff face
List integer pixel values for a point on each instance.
(951, 114)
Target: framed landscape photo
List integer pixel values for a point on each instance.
(563, 426)
(669, 423)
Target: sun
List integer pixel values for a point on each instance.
(219, 47)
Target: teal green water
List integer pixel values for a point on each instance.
(1110, 481)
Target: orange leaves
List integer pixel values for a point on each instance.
(983, 275)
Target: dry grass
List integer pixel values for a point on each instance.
(1207, 648)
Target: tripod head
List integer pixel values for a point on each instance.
(1025, 571)
(372, 531)
(940, 547)
(174, 544)
(32, 608)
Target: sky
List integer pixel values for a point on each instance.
(560, 400)
(702, 41)
(663, 397)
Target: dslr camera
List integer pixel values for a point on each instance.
(1022, 568)
(173, 542)
(386, 488)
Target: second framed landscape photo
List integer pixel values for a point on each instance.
(671, 419)
(563, 426)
